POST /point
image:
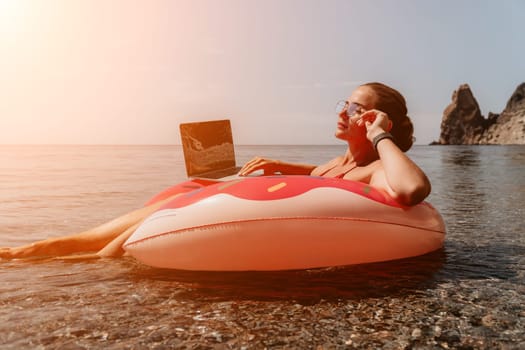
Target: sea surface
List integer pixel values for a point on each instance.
(469, 295)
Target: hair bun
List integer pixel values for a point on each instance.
(393, 104)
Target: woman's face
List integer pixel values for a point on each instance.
(351, 126)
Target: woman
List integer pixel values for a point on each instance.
(372, 121)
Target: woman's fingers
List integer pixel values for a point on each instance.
(376, 122)
(257, 163)
(375, 116)
(254, 165)
(247, 168)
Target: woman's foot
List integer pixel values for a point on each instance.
(26, 251)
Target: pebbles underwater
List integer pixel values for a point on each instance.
(119, 304)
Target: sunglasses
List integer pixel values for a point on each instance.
(351, 108)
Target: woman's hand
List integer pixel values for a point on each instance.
(269, 166)
(398, 174)
(376, 122)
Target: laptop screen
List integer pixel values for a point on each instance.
(207, 146)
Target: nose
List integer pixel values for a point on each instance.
(344, 115)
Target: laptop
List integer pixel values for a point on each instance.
(208, 150)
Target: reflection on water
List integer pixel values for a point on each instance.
(480, 190)
(305, 286)
(462, 188)
(353, 282)
(469, 295)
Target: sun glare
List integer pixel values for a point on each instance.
(12, 16)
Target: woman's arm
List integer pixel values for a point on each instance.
(271, 166)
(404, 180)
(398, 174)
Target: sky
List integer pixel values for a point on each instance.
(130, 71)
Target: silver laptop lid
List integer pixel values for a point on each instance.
(208, 149)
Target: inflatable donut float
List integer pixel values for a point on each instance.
(282, 223)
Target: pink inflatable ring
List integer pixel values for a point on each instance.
(282, 223)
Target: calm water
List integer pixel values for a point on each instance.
(469, 295)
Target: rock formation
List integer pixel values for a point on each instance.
(463, 123)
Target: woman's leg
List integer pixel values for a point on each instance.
(112, 250)
(95, 239)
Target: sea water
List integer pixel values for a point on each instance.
(471, 294)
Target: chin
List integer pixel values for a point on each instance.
(340, 134)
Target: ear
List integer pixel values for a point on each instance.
(390, 125)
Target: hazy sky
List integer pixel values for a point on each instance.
(128, 72)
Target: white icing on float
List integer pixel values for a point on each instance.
(282, 223)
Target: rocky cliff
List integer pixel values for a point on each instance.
(463, 123)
